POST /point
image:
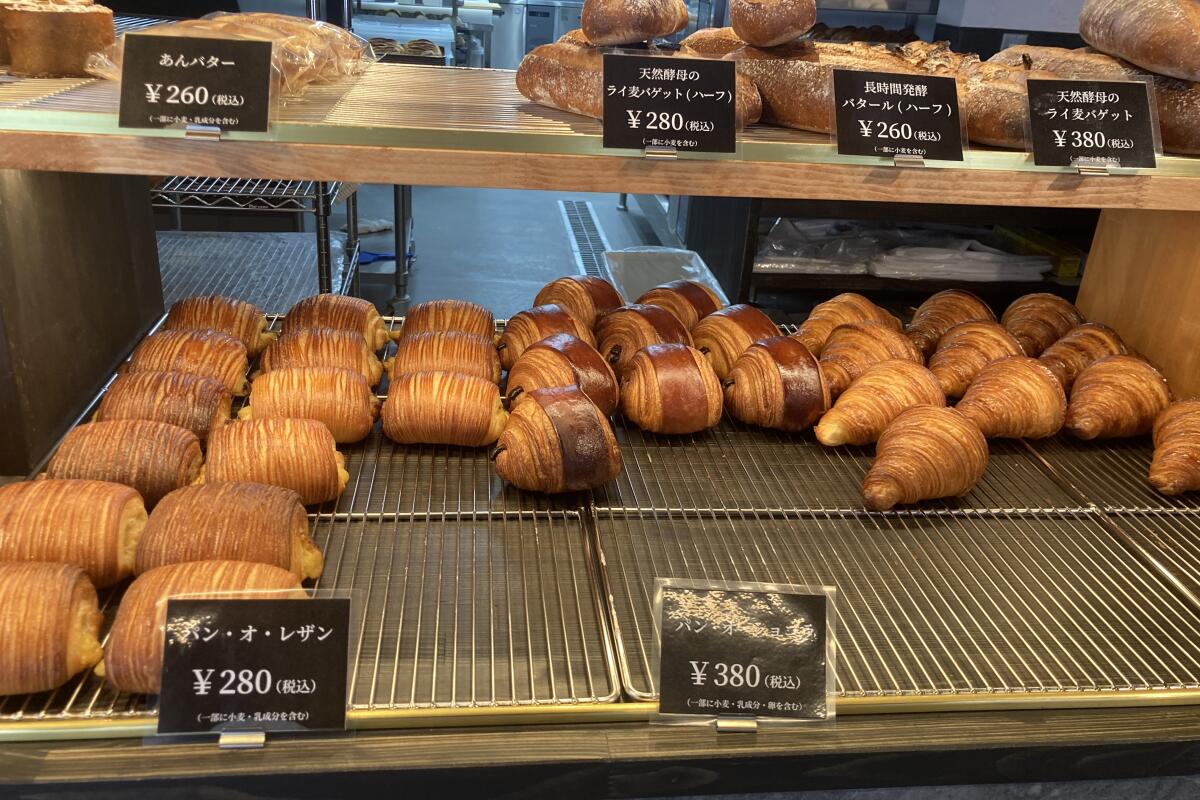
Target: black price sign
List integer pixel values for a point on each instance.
(886, 114)
(184, 80)
(270, 665)
(1095, 123)
(662, 101)
(745, 650)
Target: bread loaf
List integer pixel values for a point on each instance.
(54, 39)
(615, 22)
(712, 42)
(584, 297)
(451, 351)
(241, 320)
(193, 402)
(1162, 36)
(766, 23)
(443, 316)
(322, 347)
(210, 354)
(443, 408)
(339, 313)
(563, 360)
(297, 454)
(339, 399)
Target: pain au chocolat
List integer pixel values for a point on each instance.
(672, 389)
(323, 347)
(585, 297)
(777, 383)
(210, 354)
(564, 360)
(297, 454)
(621, 333)
(443, 316)
(452, 351)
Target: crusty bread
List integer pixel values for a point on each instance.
(1162, 36)
(55, 39)
(766, 23)
(614, 22)
(712, 42)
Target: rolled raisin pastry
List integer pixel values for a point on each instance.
(241, 320)
(232, 520)
(876, 398)
(671, 388)
(584, 297)
(841, 310)
(623, 332)
(557, 440)
(967, 348)
(153, 457)
(853, 347)
(133, 656)
(724, 335)
(530, 327)
(925, 453)
(340, 313)
(688, 301)
(443, 408)
(942, 312)
(49, 626)
(443, 316)
(297, 454)
(210, 354)
(322, 347)
(193, 402)
(777, 383)
(339, 399)
(563, 360)
(92, 524)
(1039, 320)
(1015, 398)
(1176, 465)
(1115, 397)
(1081, 345)
(453, 351)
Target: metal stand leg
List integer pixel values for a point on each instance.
(402, 212)
(324, 275)
(350, 260)
(622, 202)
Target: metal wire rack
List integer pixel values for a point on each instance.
(244, 195)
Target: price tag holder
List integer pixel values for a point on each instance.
(1105, 123)
(738, 650)
(175, 81)
(662, 101)
(262, 665)
(890, 115)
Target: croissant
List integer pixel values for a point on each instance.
(232, 520)
(623, 332)
(193, 402)
(584, 297)
(688, 301)
(925, 453)
(1039, 320)
(942, 312)
(241, 320)
(210, 354)
(297, 454)
(557, 440)
(443, 408)
(49, 626)
(563, 360)
(1015, 398)
(853, 347)
(133, 656)
(1081, 345)
(841, 310)
(443, 316)
(967, 348)
(1176, 465)
(530, 327)
(323, 347)
(777, 383)
(340, 313)
(467, 353)
(92, 524)
(876, 398)
(724, 335)
(671, 388)
(339, 399)
(1115, 397)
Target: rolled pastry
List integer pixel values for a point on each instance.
(443, 316)
(322, 347)
(340, 313)
(725, 334)
(210, 354)
(443, 408)
(530, 327)
(339, 399)
(621, 333)
(241, 320)
(688, 301)
(777, 383)
(584, 297)
(671, 388)
(468, 353)
(193, 402)
(297, 454)
(564, 360)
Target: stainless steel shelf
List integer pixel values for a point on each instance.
(243, 195)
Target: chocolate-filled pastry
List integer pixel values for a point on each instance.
(623, 332)
(1015, 398)
(925, 453)
(853, 347)
(467, 353)
(563, 360)
(1039, 320)
(557, 440)
(1115, 397)
(297, 454)
(443, 316)
(724, 335)
(876, 398)
(967, 348)
(671, 388)
(1081, 346)
(339, 399)
(241, 320)
(942, 312)
(340, 313)
(530, 327)
(840, 310)
(443, 408)
(1176, 465)
(210, 354)
(688, 301)
(193, 402)
(777, 383)
(323, 347)
(584, 297)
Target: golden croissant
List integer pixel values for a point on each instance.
(671, 388)
(206, 353)
(443, 408)
(340, 313)
(584, 297)
(967, 348)
(1115, 397)
(777, 383)
(530, 327)
(556, 440)
(133, 655)
(49, 626)
(231, 520)
(444, 316)
(193, 402)
(876, 398)
(1176, 465)
(241, 320)
(339, 399)
(925, 453)
(297, 454)
(841, 310)
(153, 457)
(564, 360)
(688, 301)
(942, 312)
(724, 335)
(853, 347)
(623, 332)
(467, 353)
(92, 524)
(1015, 398)
(322, 347)
(1081, 345)
(1039, 320)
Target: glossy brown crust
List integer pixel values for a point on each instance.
(531, 326)
(564, 360)
(339, 399)
(1115, 397)
(853, 347)
(1015, 398)
(1039, 320)
(241, 320)
(322, 347)
(942, 312)
(209, 354)
(192, 402)
(152, 457)
(623, 332)
(724, 335)
(340, 313)
(1162, 36)
(840, 310)
(297, 454)
(1081, 346)
(443, 408)
(583, 296)
(1176, 465)
(614, 22)
(766, 23)
(967, 348)
(447, 352)
(672, 389)
(876, 398)
(925, 453)
(688, 301)
(777, 383)
(443, 316)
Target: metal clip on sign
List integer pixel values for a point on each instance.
(1092, 166)
(737, 725)
(657, 151)
(907, 160)
(242, 740)
(209, 133)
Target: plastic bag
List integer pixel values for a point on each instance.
(636, 270)
(972, 261)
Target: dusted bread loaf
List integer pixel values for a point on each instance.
(46, 40)
(1081, 346)
(241, 320)
(1115, 397)
(563, 360)
(853, 347)
(766, 23)
(530, 327)
(967, 348)
(924, 453)
(194, 402)
(724, 335)
(1176, 465)
(841, 310)
(614, 22)
(1039, 320)
(942, 312)
(443, 316)
(1015, 398)
(297, 454)
(623, 332)
(232, 520)
(777, 383)
(584, 297)
(467, 353)
(339, 399)
(322, 347)
(1162, 36)
(688, 301)
(443, 408)
(671, 388)
(49, 626)
(92, 524)
(210, 354)
(339, 313)
(876, 398)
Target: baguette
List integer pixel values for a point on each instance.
(766, 23)
(607, 23)
(1162, 36)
